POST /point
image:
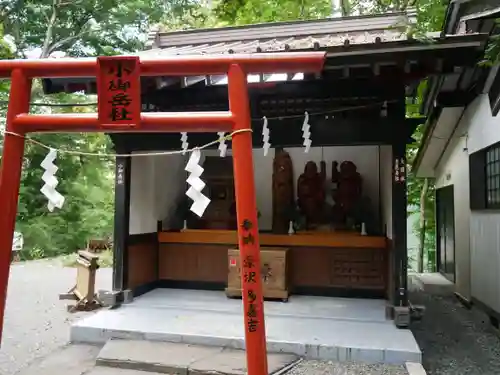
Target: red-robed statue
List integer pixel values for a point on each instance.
(311, 193)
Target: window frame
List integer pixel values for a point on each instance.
(492, 176)
(479, 175)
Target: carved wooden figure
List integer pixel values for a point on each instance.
(283, 190)
(218, 175)
(349, 190)
(311, 193)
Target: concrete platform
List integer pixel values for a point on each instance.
(312, 327)
(181, 359)
(433, 283)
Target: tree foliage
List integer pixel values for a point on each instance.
(241, 12)
(84, 27)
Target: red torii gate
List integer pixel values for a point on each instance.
(119, 110)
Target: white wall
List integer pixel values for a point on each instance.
(366, 159)
(483, 128)
(477, 233)
(453, 169)
(483, 131)
(156, 183)
(170, 185)
(142, 199)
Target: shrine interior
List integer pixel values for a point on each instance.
(339, 207)
(353, 176)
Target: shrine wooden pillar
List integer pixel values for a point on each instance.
(399, 234)
(122, 220)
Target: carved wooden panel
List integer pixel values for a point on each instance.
(361, 269)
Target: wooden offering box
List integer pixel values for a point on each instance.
(273, 271)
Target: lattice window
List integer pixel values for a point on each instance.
(493, 176)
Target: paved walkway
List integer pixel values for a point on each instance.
(36, 322)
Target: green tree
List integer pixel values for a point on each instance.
(241, 12)
(83, 27)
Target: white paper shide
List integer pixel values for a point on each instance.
(184, 142)
(49, 188)
(222, 144)
(306, 133)
(196, 185)
(265, 137)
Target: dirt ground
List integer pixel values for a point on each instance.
(36, 322)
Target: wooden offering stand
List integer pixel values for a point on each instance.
(84, 290)
(273, 272)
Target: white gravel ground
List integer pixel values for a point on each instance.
(455, 340)
(336, 368)
(36, 322)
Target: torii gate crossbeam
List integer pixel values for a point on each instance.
(130, 119)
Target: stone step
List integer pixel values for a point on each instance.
(180, 359)
(312, 338)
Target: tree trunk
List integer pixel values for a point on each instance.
(49, 33)
(421, 245)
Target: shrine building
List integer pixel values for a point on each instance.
(332, 218)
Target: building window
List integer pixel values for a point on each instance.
(493, 177)
(484, 178)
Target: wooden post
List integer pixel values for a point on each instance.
(10, 178)
(121, 224)
(248, 232)
(400, 251)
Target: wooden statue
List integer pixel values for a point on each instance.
(349, 187)
(283, 191)
(335, 180)
(218, 176)
(311, 193)
(337, 215)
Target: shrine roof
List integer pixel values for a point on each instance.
(284, 36)
(353, 45)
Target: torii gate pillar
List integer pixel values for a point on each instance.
(119, 111)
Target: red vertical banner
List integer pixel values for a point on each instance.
(119, 91)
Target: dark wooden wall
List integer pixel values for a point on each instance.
(142, 264)
(312, 270)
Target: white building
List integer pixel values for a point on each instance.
(461, 151)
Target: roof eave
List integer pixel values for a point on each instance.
(424, 143)
(281, 29)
